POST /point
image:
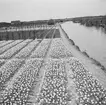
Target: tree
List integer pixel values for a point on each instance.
(51, 22)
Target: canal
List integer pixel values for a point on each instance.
(89, 39)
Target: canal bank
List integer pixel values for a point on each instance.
(89, 39)
(89, 64)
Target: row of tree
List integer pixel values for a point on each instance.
(97, 21)
(39, 34)
(19, 23)
(21, 35)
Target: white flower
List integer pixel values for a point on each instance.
(41, 50)
(58, 50)
(10, 45)
(24, 79)
(9, 53)
(8, 68)
(3, 43)
(26, 51)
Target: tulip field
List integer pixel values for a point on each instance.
(42, 71)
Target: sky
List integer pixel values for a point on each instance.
(29, 10)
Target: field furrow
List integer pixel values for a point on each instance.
(3, 43)
(88, 88)
(53, 90)
(41, 50)
(2, 61)
(9, 69)
(12, 51)
(58, 50)
(27, 50)
(8, 46)
(17, 90)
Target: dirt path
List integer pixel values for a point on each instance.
(41, 74)
(96, 71)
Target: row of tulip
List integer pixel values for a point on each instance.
(2, 61)
(89, 90)
(58, 50)
(41, 50)
(53, 90)
(27, 50)
(3, 43)
(9, 53)
(8, 69)
(3, 49)
(18, 89)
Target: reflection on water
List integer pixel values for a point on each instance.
(91, 39)
(103, 30)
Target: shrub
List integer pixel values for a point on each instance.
(51, 22)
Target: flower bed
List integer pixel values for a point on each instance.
(53, 90)
(2, 61)
(8, 69)
(27, 50)
(88, 88)
(3, 43)
(9, 53)
(58, 50)
(41, 49)
(9, 46)
(18, 88)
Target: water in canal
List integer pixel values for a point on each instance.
(89, 39)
